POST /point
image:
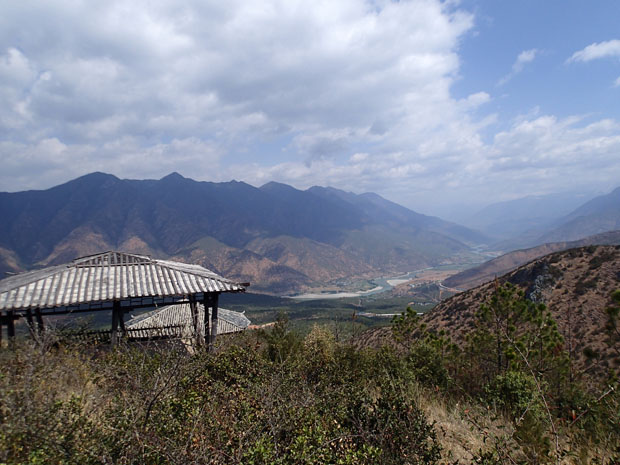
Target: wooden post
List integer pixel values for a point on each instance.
(40, 325)
(207, 304)
(193, 306)
(114, 335)
(121, 321)
(30, 322)
(10, 326)
(213, 335)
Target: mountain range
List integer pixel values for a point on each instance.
(598, 215)
(534, 220)
(280, 238)
(513, 218)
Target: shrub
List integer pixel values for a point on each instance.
(427, 365)
(514, 393)
(281, 341)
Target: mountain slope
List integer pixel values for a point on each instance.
(575, 283)
(498, 266)
(381, 211)
(275, 235)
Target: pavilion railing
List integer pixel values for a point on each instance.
(132, 334)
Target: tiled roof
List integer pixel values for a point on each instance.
(180, 315)
(108, 276)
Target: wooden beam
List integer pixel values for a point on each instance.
(128, 304)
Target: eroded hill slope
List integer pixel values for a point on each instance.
(576, 286)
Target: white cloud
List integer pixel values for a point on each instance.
(617, 82)
(477, 99)
(610, 48)
(327, 78)
(536, 154)
(526, 56)
(57, 162)
(551, 151)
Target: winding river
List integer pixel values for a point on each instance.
(381, 285)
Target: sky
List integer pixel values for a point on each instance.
(432, 104)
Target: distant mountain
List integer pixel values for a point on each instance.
(278, 237)
(391, 214)
(596, 216)
(499, 266)
(513, 218)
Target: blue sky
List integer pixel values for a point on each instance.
(554, 30)
(429, 103)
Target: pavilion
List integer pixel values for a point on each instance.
(116, 281)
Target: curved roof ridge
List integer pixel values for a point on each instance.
(112, 257)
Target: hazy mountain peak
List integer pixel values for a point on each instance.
(96, 176)
(174, 176)
(89, 181)
(329, 189)
(277, 186)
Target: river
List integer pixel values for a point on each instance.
(382, 284)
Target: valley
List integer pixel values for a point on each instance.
(398, 284)
(351, 306)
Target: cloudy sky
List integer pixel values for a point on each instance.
(428, 103)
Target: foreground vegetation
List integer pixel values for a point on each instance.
(508, 396)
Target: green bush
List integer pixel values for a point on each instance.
(516, 394)
(427, 365)
(281, 341)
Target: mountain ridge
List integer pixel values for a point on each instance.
(354, 235)
(597, 215)
(576, 285)
(505, 263)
